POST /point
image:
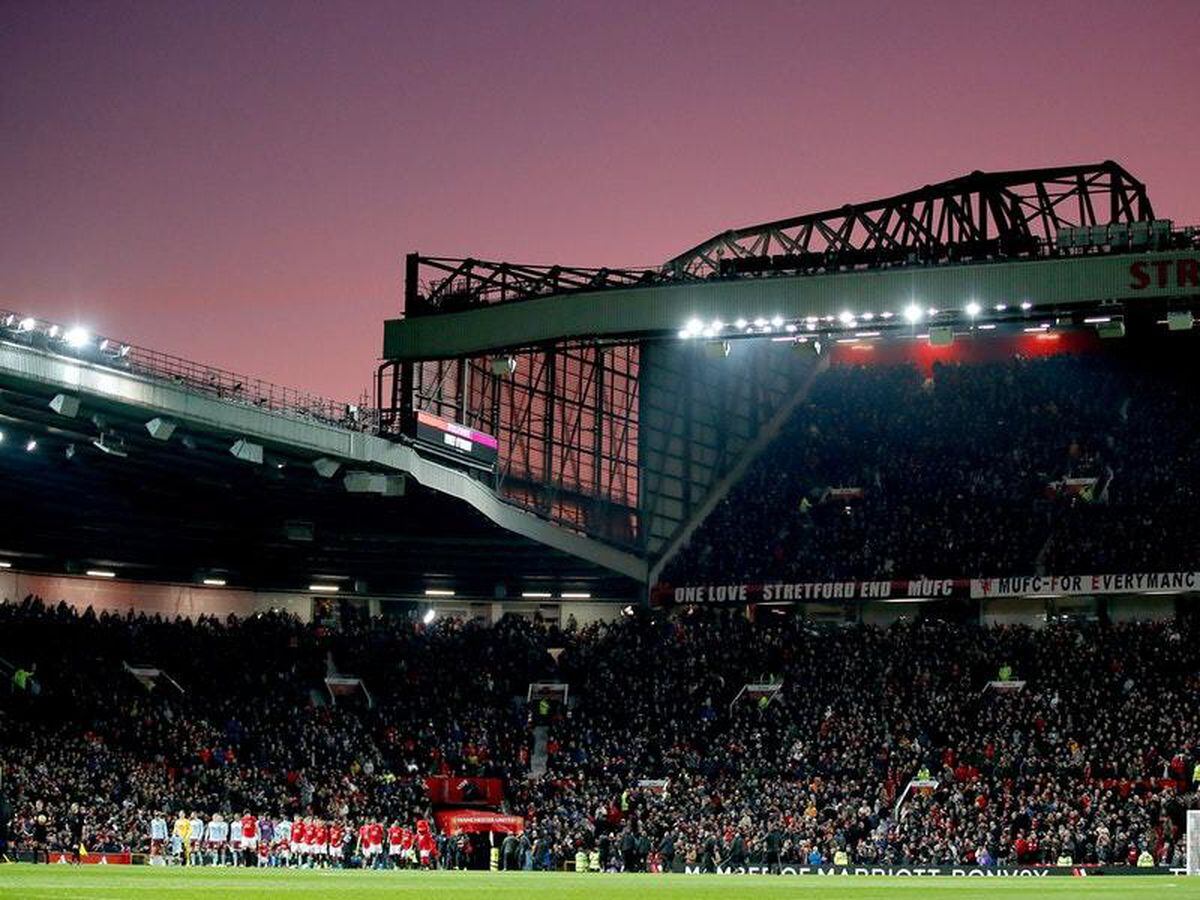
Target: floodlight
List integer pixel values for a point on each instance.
(973, 309)
(912, 313)
(77, 337)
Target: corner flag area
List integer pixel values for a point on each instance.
(28, 882)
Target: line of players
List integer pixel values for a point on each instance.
(304, 843)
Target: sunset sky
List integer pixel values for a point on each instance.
(237, 182)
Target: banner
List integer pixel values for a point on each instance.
(900, 590)
(150, 676)
(1072, 488)
(783, 592)
(1083, 585)
(653, 785)
(951, 871)
(451, 790)
(472, 821)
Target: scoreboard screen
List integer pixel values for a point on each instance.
(454, 441)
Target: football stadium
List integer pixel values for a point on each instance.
(850, 548)
(850, 554)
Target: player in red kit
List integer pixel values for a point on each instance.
(395, 839)
(319, 842)
(374, 841)
(337, 834)
(408, 847)
(249, 826)
(297, 842)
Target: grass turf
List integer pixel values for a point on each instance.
(28, 882)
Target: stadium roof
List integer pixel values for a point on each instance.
(92, 488)
(1058, 238)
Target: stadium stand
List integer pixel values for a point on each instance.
(649, 766)
(1069, 463)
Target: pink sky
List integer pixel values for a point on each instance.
(238, 182)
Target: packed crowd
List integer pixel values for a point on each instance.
(1063, 464)
(651, 765)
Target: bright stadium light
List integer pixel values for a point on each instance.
(77, 337)
(1026, 305)
(429, 616)
(5, 564)
(27, 324)
(760, 323)
(101, 573)
(886, 314)
(740, 324)
(1000, 307)
(777, 322)
(846, 317)
(323, 588)
(30, 445)
(684, 334)
(438, 592)
(576, 595)
(973, 309)
(695, 326)
(912, 313)
(867, 317)
(536, 595)
(215, 582)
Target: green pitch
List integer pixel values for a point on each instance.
(27, 882)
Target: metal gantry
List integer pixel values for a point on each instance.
(981, 215)
(455, 285)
